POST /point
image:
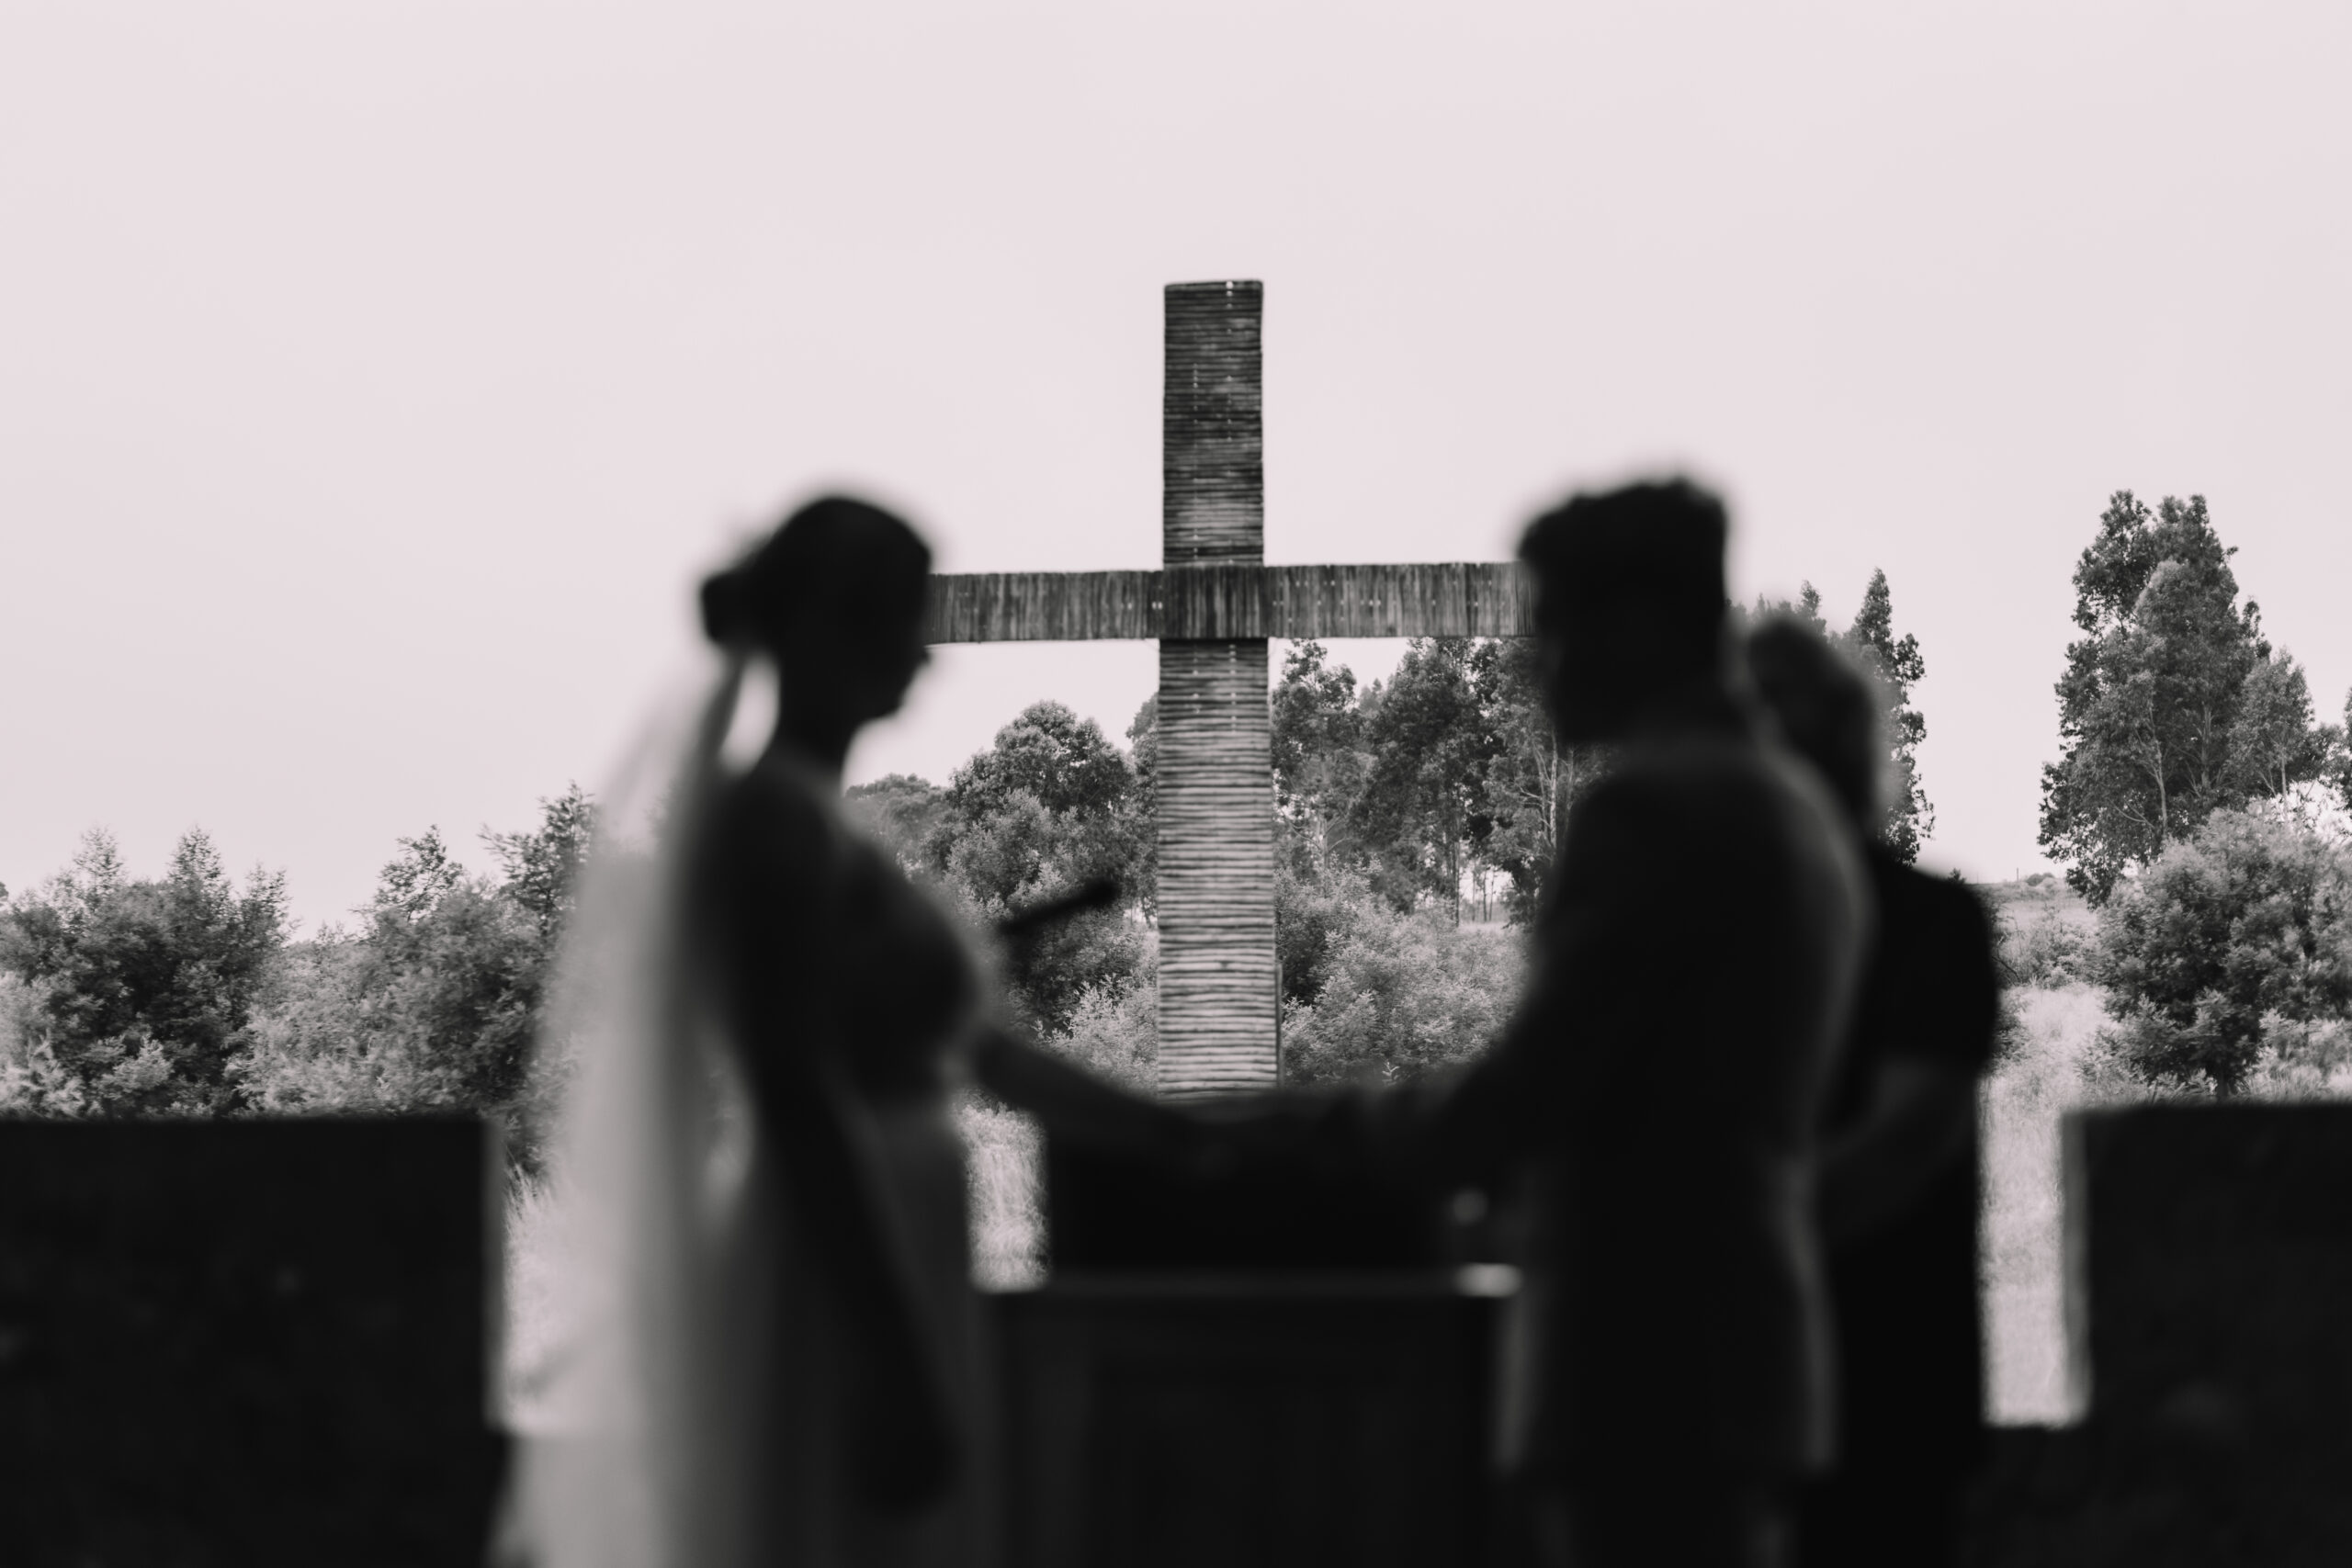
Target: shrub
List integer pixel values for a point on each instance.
(144, 988)
(1114, 1032)
(2237, 938)
(1314, 906)
(32, 1081)
(1402, 995)
(431, 1005)
(335, 1038)
(2307, 1061)
(2047, 950)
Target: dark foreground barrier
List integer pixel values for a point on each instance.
(1246, 1418)
(1216, 1374)
(245, 1342)
(235, 1343)
(1279, 1367)
(2209, 1316)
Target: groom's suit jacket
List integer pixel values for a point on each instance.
(1655, 1100)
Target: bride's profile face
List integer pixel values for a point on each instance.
(897, 677)
(861, 675)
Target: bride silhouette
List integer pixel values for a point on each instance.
(767, 1024)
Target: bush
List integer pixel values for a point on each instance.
(32, 1081)
(431, 1005)
(1114, 1032)
(1402, 996)
(2307, 1061)
(2237, 939)
(1315, 906)
(339, 1037)
(2047, 950)
(139, 992)
(1368, 994)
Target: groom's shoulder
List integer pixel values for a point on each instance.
(1729, 774)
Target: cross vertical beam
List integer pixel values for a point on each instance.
(1218, 984)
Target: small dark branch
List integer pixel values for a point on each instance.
(1095, 893)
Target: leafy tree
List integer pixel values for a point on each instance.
(2045, 951)
(1114, 1029)
(1530, 781)
(1050, 754)
(1320, 763)
(543, 865)
(2273, 745)
(1399, 995)
(1807, 608)
(900, 810)
(1059, 801)
(434, 1001)
(1143, 755)
(32, 1081)
(145, 989)
(1050, 804)
(1899, 665)
(2238, 934)
(456, 972)
(2343, 776)
(1316, 903)
(1057, 772)
(430, 1004)
(2151, 694)
(1449, 768)
(1422, 814)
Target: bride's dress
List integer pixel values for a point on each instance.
(700, 1421)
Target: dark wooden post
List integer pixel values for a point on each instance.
(1218, 988)
(264, 1341)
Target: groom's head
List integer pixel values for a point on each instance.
(1629, 600)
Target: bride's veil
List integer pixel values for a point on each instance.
(639, 1448)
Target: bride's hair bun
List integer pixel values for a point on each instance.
(837, 561)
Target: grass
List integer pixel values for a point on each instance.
(1007, 1197)
(2020, 1238)
(538, 1327)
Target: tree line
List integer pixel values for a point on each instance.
(2190, 804)
(1401, 805)
(186, 996)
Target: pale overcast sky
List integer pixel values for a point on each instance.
(377, 377)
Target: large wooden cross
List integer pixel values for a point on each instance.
(1213, 604)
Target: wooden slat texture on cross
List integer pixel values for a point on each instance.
(1212, 605)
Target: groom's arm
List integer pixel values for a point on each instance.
(1075, 1106)
(1592, 973)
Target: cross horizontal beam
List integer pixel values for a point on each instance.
(1242, 600)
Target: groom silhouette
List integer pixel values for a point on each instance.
(1652, 1103)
